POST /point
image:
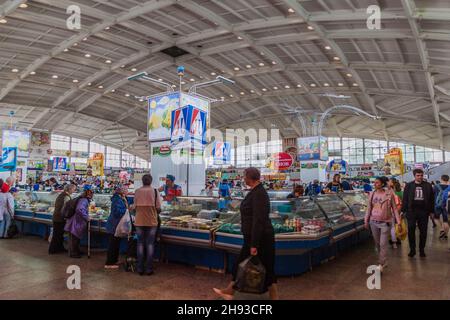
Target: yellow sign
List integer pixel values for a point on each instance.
(393, 162)
(96, 165)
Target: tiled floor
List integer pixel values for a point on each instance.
(27, 272)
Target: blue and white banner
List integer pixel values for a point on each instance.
(9, 159)
(221, 153)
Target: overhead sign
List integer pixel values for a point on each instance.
(337, 166)
(8, 161)
(312, 148)
(96, 165)
(189, 124)
(160, 108)
(17, 139)
(280, 161)
(60, 164)
(221, 153)
(393, 162)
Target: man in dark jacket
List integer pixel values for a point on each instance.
(418, 205)
(57, 242)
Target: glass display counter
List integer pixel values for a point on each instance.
(357, 201)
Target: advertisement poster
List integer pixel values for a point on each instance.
(323, 148)
(60, 164)
(163, 151)
(337, 166)
(280, 161)
(393, 162)
(160, 110)
(188, 128)
(310, 165)
(40, 145)
(96, 165)
(8, 161)
(221, 153)
(17, 139)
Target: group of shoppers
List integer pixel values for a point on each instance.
(417, 204)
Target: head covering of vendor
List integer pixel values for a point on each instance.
(170, 177)
(120, 188)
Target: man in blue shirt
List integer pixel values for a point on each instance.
(367, 187)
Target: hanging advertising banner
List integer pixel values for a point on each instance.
(221, 153)
(40, 145)
(189, 124)
(60, 164)
(17, 139)
(393, 162)
(96, 165)
(8, 161)
(312, 148)
(280, 161)
(160, 108)
(337, 166)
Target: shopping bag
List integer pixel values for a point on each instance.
(13, 230)
(123, 229)
(251, 276)
(404, 232)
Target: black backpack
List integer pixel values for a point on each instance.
(68, 210)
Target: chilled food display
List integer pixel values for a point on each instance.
(357, 201)
(336, 210)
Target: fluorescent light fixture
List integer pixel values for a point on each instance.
(15, 70)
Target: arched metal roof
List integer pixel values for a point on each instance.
(304, 53)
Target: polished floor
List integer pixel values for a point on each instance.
(27, 272)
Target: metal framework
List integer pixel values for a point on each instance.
(305, 53)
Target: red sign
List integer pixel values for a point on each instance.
(282, 161)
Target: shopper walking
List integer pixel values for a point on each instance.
(76, 225)
(147, 204)
(6, 209)
(119, 207)
(418, 206)
(381, 209)
(395, 188)
(259, 239)
(57, 241)
(441, 191)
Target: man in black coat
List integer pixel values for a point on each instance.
(418, 205)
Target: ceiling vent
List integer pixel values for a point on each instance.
(174, 52)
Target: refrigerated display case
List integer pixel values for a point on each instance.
(206, 231)
(357, 202)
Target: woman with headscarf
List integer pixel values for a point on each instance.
(6, 209)
(77, 224)
(259, 237)
(119, 207)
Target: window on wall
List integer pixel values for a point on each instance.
(127, 160)
(60, 142)
(141, 163)
(374, 150)
(96, 148)
(334, 145)
(353, 150)
(113, 157)
(79, 145)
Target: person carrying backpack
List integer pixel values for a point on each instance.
(441, 191)
(78, 219)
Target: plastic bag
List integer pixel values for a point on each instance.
(404, 232)
(251, 276)
(124, 227)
